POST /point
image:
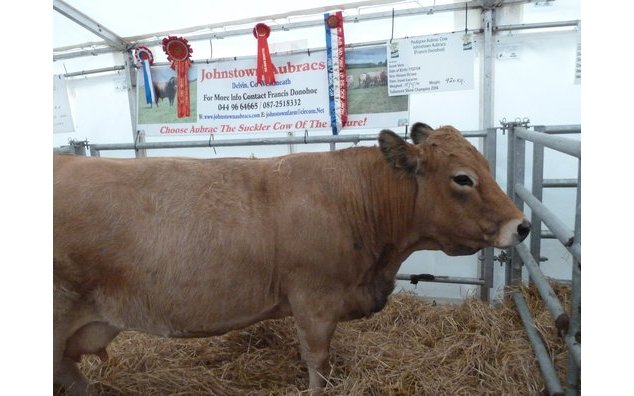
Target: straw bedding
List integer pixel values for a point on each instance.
(412, 347)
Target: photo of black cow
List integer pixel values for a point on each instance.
(165, 89)
(164, 108)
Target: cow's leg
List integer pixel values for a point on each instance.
(68, 316)
(68, 376)
(314, 330)
(92, 338)
(65, 370)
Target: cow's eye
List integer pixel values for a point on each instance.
(463, 180)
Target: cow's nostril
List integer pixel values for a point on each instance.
(523, 229)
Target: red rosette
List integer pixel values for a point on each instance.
(177, 49)
(265, 69)
(261, 30)
(334, 21)
(142, 53)
(179, 54)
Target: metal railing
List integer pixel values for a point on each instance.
(568, 324)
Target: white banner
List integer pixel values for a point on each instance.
(441, 62)
(225, 97)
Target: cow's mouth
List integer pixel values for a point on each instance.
(461, 251)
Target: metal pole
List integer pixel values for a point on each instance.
(516, 164)
(540, 25)
(564, 145)
(252, 142)
(545, 291)
(415, 278)
(545, 364)
(537, 188)
(130, 76)
(558, 129)
(486, 257)
(563, 234)
(574, 332)
(487, 67)
(487, 23)
(559, 183)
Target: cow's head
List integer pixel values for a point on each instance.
(460, 208)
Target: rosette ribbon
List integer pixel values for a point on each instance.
(179, 53)
(145, 59)
(336, 67)
(265, 68)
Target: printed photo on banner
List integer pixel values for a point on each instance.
(369, 104)
(163, 109)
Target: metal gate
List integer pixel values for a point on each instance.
(568, 323)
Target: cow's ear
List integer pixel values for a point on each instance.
(398, 153)
(419, 132)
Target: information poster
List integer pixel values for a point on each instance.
(440, 62)
(62, 116)
(225, 96)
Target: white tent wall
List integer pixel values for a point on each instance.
(539, 85)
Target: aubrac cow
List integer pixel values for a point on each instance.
(194, 248)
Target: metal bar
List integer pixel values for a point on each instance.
(539, 25)
(545, 364)
(574, 356)
(70, 149)
(563, 234)
(486, 259)
(558, 129)
(555, 183)
(574, 348)
(537, 189)
(564, 145)
(553, 304)
(547, 234)
(250, 142)
(487, 22)
(414, 278)
(94, 71)
(510, 188)
(88, 23)
(516, 171)
(106, 50)
(130, 77)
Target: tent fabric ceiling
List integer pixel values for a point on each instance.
(134, 18)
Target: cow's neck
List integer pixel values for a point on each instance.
(381, 205)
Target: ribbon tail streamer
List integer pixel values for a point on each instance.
(149, 86)
(336, 67)
(183, 105)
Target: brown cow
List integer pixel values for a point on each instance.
(194, 248)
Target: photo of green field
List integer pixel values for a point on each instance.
(366, 71)
(372, 99)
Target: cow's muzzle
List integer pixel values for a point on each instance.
(523, 229)
(512, 233)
